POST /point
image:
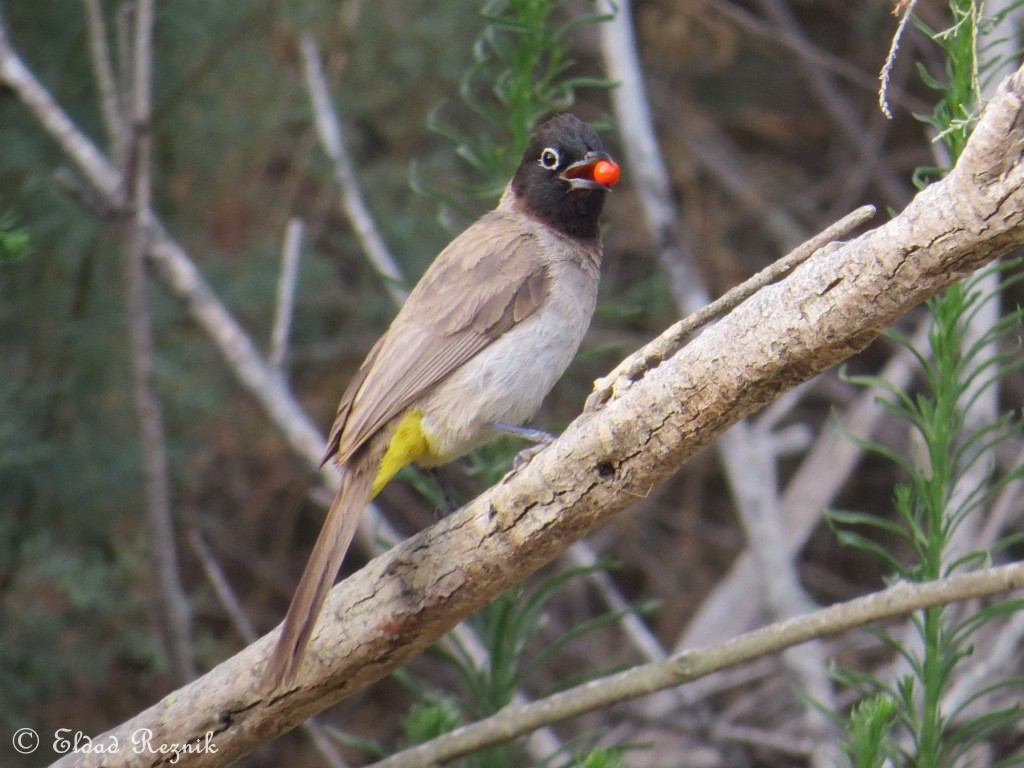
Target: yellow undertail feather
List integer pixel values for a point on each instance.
(408, 444)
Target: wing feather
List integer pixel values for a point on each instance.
(488, 279)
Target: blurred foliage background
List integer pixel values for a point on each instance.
(759, 156)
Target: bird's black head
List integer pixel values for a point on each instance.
(564, 176)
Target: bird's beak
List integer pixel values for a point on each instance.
(595, 171)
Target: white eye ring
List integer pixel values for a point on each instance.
(549, 159)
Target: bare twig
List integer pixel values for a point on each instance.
(785, 744)
(633, 118)
(103, 70)
(890, 59)
(124, 40)
(285, 294)
(154, 444)
(640, 637)
(690, 665)
(328, 126)
(221, 586)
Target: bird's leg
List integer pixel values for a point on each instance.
(449, 502)
(538, 437)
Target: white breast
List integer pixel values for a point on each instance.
(508, 379)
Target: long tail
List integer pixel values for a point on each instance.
(321, 570)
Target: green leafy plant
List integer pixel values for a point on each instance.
(521, 71)
(905, 720)
(869, 733)
(930, 507)
(506, 627)
(14, 241)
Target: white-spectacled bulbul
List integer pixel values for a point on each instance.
(479, 343)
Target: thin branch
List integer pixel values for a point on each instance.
(754, 483)
(154, 454)
(647, 166)
(106, 84)
(670, 341)
(637, 632)
(124, 39)
(286, 284)
(154, 442)
(217, 579)
(890, 59)
(787, 745)
(895, 601)
(328, 127)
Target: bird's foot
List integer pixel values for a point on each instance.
(446, 492)
(526, 455)
(538, 437)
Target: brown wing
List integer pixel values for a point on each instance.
(488, 279)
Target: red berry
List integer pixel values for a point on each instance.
(606, 172)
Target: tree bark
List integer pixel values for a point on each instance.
(829, 308)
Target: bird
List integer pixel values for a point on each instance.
(480, 341)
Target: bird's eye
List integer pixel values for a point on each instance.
(549, 159)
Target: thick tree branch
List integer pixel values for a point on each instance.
(828, 309)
